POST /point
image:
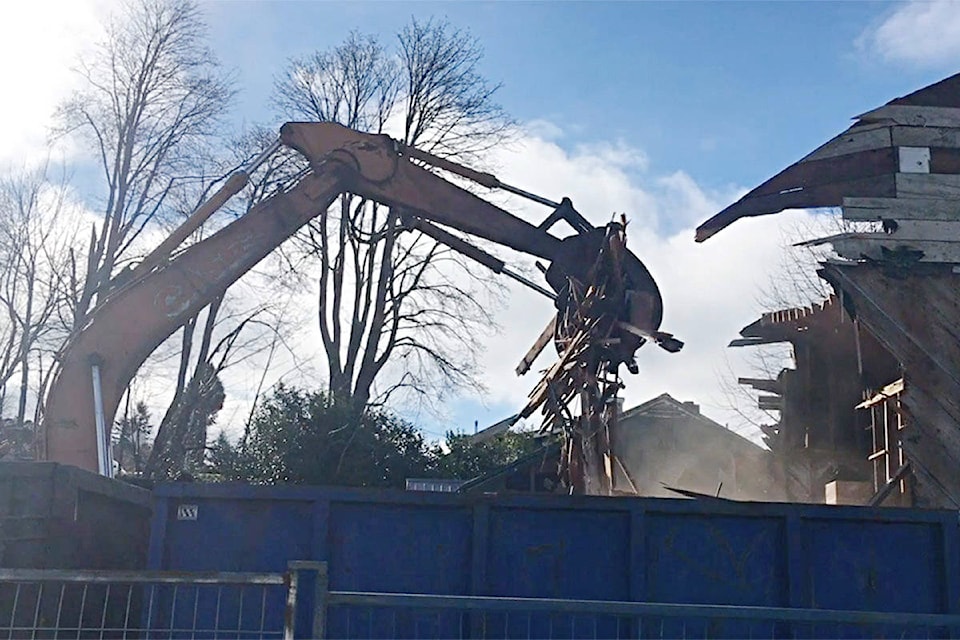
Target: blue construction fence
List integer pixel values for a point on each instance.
(746, 557)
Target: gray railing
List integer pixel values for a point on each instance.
(352, 614)
(364, 615)
(146, 604)
(164, 604)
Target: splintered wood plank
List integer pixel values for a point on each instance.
(919, 185)
(854, 140)
(927, 230)
(884, 394)
(916, 116)
(923, 231)
(876, 246)
(925, 137)
(763, 384)
(541, 392)
(872, 209)
(537, 347)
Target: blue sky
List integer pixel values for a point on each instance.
(725, 91)
(664, 110)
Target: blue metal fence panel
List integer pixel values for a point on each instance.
(256, 534)
(386, 547)
(653, 550)
(555, 553)
(880, 562)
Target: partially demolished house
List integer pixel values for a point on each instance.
(830, 450)
(662, 445)
(897, 167)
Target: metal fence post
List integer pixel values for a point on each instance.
(321, 587)
(290, 612)
(320, 602)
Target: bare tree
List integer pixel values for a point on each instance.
(36, 233)
(131, 445)
(234, 328)
(151, 102)
(386, 297)
(152, 96)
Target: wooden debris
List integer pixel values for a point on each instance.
(537, 347)
(593, 338)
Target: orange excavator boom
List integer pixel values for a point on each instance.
(165, 290)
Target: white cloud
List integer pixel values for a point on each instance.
(39, 45)
(918, 32)
(618, 154)
(543, 129)
(709, 290)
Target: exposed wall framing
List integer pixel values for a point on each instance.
(820, 436)
(891, 479)
(899, 166)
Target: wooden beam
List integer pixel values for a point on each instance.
(626, 474)
(888, 391)
(925, 230)
(829, 171)
(877, 246)
(887, 489)
(872, 209)
(915, 116)
(853, 140)
(925, 137)
(770, 403)
(545, 336)
(763, 384)
(918, 185)
(931, 230)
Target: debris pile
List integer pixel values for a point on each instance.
(599, 326)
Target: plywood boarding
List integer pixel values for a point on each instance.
(940, 137)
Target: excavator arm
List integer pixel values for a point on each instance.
(164, 291)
